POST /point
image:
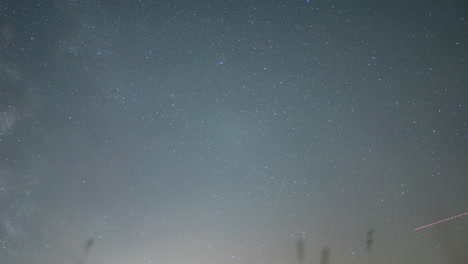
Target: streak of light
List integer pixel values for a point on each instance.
(441, 221)
(279, 193)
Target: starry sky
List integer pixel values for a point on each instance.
(203, 131)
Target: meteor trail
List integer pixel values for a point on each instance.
(441, 221)
(281, 189)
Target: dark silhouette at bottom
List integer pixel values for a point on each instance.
(89, 243)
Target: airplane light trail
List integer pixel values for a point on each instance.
(441, 221)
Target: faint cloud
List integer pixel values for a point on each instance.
(8, 120)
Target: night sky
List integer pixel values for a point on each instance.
(230, 132)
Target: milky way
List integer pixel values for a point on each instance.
(227, 131)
